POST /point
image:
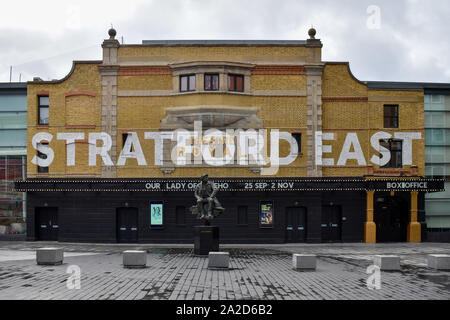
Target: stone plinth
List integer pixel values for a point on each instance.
(219, 260)
(49, 256)
(134, 259)
(304, 261)
(387, 263)
(439, 261)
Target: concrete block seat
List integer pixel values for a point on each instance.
(439, 261)
(135, 259)
(387, 263)
(49, 256)
(304, 261)
(219, 260)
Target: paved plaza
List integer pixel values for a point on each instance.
(256, 272)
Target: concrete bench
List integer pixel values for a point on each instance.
(439, 261)
(134, 259)
(49, 256)
(304, 261)
(219, 260)
(387, 263)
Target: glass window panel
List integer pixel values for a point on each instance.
(43, 101)
(438, 170)
(191, 83)
(428, 120)
(12, 120)
(183, 83)
(13, 138)
(231, 85)
(437, 98)
(208, 85)
(13, 103)
(211, 82)
(395, 147)
(215, 82)
(298, 139)
(437, 136)
(390, 116)
(43, 115)
(437, 119)
(239, 83)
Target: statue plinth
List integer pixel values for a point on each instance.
(206, 239)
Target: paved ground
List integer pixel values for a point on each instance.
(257, 272)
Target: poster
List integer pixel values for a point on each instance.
(156, 214)
(266, 214)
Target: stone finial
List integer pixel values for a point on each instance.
(312, 33)
(112, 33)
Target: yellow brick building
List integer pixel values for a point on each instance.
(335, 188)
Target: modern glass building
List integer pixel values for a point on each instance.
(437, 151)
(13, 150)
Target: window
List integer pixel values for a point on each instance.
(42, 156)
(124, 139)
(180, 215)
(187, 83)
(242, 215)
(395, 147)
(236, 82)
(391, 116)
(298, 137)
(211, 82)
(43, 114)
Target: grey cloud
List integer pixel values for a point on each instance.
(411, 45)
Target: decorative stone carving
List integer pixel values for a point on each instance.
(219, 117)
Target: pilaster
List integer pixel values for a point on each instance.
(314, 115)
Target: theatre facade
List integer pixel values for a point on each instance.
(300, 150)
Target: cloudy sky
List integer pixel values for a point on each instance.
(401, 40)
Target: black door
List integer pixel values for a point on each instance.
(47, 224)
(391, 218)
(295, 224)
(331, 224)
(127, 225)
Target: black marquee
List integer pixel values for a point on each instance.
(231, 184)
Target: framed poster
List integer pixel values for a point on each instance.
(266, 214)
(156, 214)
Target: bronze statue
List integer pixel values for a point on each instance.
(208, 207)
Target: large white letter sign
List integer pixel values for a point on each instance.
(385, 153)
(358, 155)
(159, 138)
(70, 138)
(407, 138)
(102, 151)
(132, 143)
(321, 149)
(42, 148)
(293, 146)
